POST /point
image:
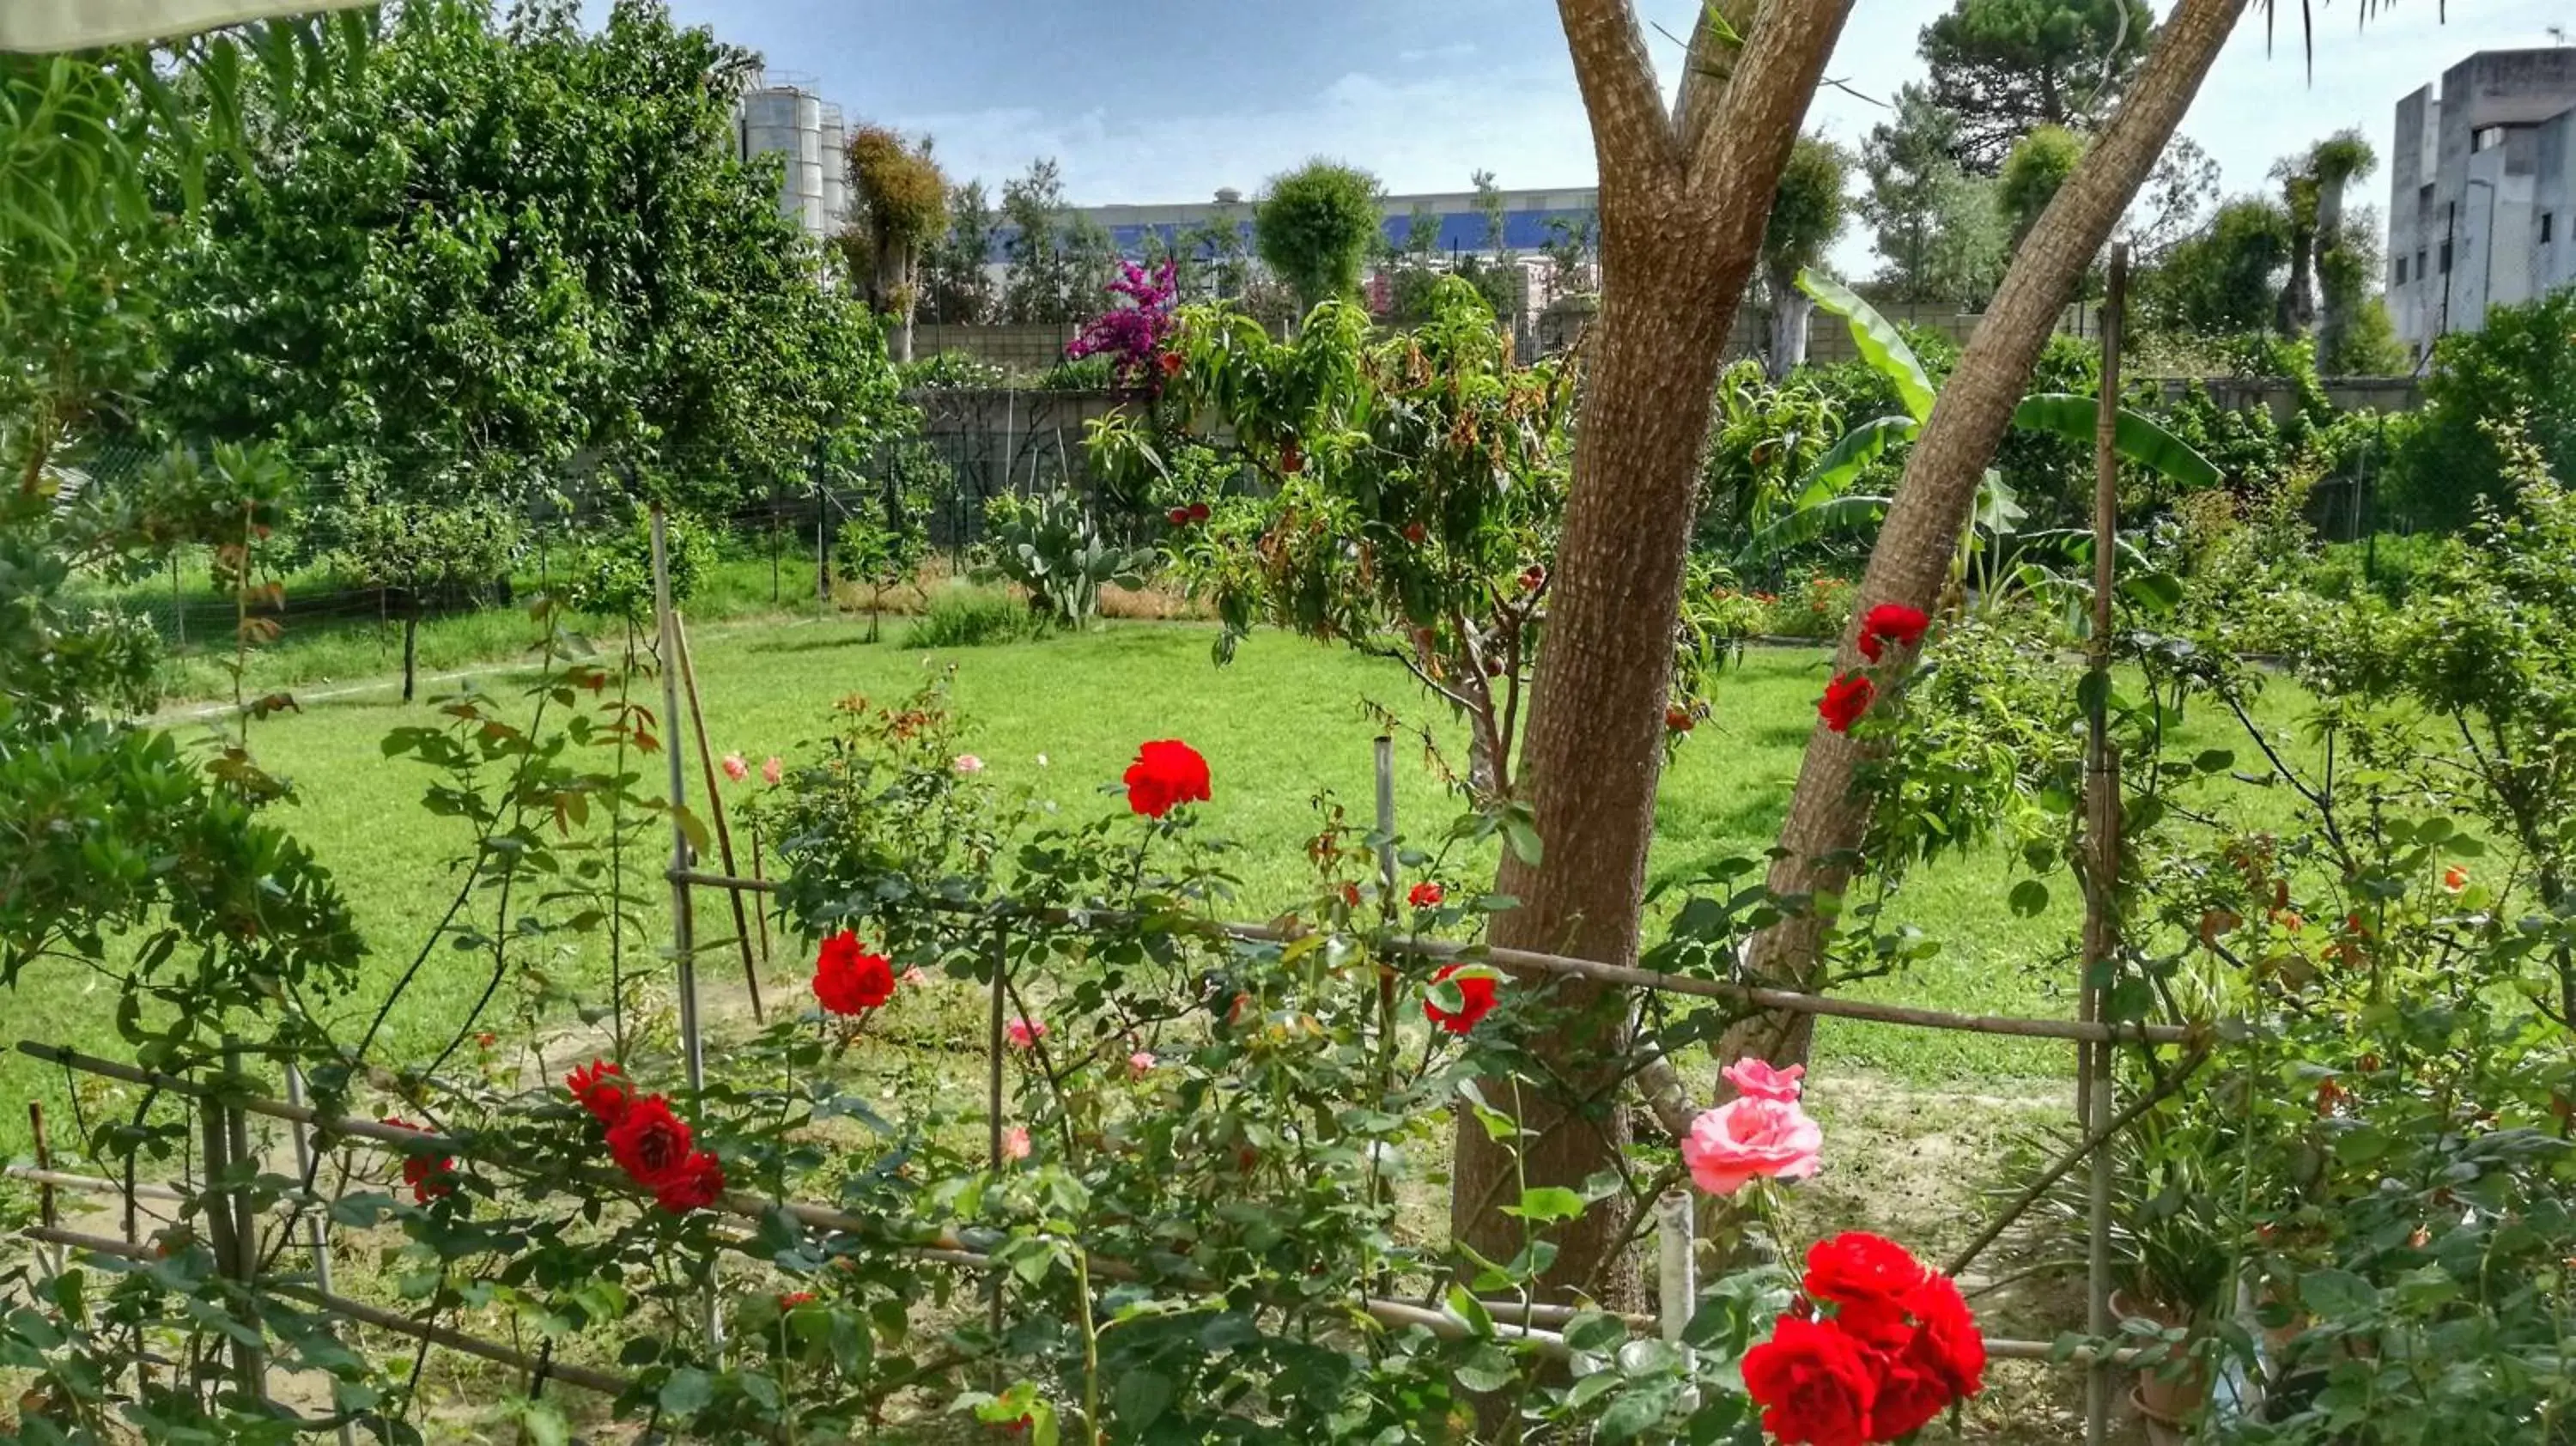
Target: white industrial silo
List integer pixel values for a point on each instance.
(836, 169)
(787, 117)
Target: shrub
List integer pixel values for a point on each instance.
(1050, 547)
(971, 618)
(1094, 373)
(613, 577)
(2520, 367)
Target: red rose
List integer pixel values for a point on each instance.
(1857, 1268)
(1476, 1000)
(1290, 458)
(1166, 773)
(1198, 512)
(1425, 895)
(795, 1298)
(1813, 1383)
(1351, 895)
(1678, 719)
(1846, 698)
(599, 1090)
(1415, 533)
(1907, 1399)
(1891, 623)
(694, 1185)
(1171, 363)
(1178, 517)
(1533, 577)
(649, 1142)
(1947, 1342)
(850, 980)
(429, 1176)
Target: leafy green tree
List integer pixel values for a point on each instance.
(1571, 243)
(2040, 163)
(2183, 185)
(2347, 259)
(1216, 265)
(1808, 213)
(425, 551)
(955, 277)
(902, 207)
(2221, 281)
(2008, 67)
(1315, 226)
(497, 248)
(1059, 258)
(1938, 233)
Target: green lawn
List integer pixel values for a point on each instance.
(1281, 725)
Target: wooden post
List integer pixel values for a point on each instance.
(683, 931)
(2102, 868)
(46, 1209)
(993, 1046)
(716, 811)
(317, 1231)
(1387, 899)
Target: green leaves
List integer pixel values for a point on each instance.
(1880, 344)
(2136, 437)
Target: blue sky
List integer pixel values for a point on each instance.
(1156, 100)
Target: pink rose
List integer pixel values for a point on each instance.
(1750, 1138)
(735, 768)
(1024, 1034)
(968, 763)
(771, 771)
(1015, 1143)
(914, 977)
(1141, 1062)
(1758, 1079)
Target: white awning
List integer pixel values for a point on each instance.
(80, 24)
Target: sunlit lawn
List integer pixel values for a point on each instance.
(1280, 726)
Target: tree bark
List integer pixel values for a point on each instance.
(1683, 200)
(1791, 313)
(411, 637)
(1828, 818)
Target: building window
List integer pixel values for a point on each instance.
(2545, 218)
(2487, 139)
(2420, 272)
(2401, 271)
(2446, 258)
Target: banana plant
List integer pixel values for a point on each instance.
(1992, 564)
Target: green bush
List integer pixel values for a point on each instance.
(613, 577)
(1085, 374)
(972, 618)
(951, 371)
(2519, 368)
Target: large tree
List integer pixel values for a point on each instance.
(1315, 227)
(1807, 215)
(2006, 67)
(2040, 163)
(956, 275)
(902, 207)
(1684, 193)
(1829, 811)
(1059, 258)
(1936, 228)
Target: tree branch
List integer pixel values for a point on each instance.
(1631, 133)
(1740, 136)
(1716, 44)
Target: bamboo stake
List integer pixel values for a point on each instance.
(46, 1209)
(716, 811)
(2094, 1083)
(683, 944)
(1783, 1000)
(316, 1228)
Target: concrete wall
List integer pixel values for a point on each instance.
(2466, 218)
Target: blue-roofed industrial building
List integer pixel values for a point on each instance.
(1527, 218)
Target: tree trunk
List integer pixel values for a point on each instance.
(1791, 313)
(894, 295)
(411, 637)
(1828, 818)
(1682, 204)
(2334, 309)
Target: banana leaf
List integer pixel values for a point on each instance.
(1841, 514)
(1880, 343)
(2135, 436)
(1859, 447)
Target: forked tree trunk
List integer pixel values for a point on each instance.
(1828, 817)
(1683, 202)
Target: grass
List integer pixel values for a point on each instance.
(1282, 727)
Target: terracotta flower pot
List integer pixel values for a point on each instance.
(2172, 1391)
(2162, 1430)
